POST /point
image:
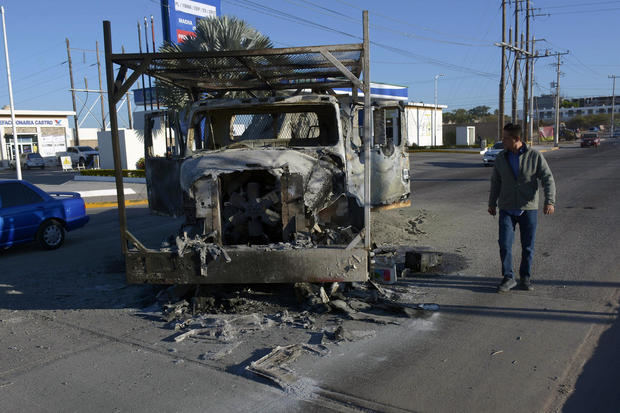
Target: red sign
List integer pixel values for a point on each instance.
(183, 34)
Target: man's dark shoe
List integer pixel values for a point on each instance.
(506, 285)
(526, 284)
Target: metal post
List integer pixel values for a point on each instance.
(556, 137)
(146, 42)
(153, 39)
(613, 104)
(75, 117)
(112, 101)
(502, 81)
(142, 76)
(100, 88)
(367, 133)
(18, 166)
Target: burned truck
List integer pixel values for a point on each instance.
(275, 187)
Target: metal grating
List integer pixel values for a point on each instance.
(236, 70)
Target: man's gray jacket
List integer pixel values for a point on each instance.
(509, 193)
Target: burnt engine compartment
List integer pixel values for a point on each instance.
(258, 207)
(251, 205)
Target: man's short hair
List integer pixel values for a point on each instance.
(513, 129)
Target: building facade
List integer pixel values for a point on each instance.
(544, 107)
(41, 131)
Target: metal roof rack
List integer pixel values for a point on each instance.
(314, 67)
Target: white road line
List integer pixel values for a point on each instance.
(104, 192)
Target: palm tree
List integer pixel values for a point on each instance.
(212, 34)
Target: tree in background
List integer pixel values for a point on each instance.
(212, 34)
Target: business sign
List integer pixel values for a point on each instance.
(59, 123)
(381, 91)
(179, 17)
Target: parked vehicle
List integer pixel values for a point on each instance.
(590, 139)
(488, 158)
(80, 155)
(28, 213)
(29, 160)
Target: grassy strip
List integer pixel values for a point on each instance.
(127, 173)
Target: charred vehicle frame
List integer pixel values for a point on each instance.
(275, 187)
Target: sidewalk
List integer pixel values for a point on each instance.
(98, 194)
(478, 151)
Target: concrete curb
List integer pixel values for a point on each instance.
(108, 179)
(103, 204)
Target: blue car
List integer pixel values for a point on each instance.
(27, 214)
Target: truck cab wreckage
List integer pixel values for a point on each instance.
(276, 187)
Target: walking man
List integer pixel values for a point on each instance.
(514, 188)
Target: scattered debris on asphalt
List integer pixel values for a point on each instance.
(275, 366)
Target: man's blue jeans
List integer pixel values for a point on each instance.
(527, 226)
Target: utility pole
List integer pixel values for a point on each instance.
(556, 134)
(100, 87)
(613, 103)
(75, 117)
(502, 81)
(129, 114)
(531, 87)
(515, 78)
(434, 134)
(526, 86)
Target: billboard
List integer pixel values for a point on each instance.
(179, 17)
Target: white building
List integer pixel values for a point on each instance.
(42, 131)
(422, 118)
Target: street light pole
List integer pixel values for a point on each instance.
(18, 166)
(434, 134)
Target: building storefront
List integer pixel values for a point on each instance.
(41, 131)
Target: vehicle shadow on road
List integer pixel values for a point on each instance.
(596, 389)
(86, 272)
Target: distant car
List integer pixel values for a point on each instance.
(616, 133)
(488, 158)
(29, 160)
(590, 139)
(28, 213)
(82, 155)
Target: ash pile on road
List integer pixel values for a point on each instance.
(300, 305)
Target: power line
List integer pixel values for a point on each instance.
(287, 16)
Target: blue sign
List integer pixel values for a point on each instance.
(144, 96)
(179, 17)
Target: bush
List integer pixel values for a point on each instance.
(127, 173)
(140, 164)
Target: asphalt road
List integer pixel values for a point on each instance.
(72, 337)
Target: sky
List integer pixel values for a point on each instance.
(412, 41)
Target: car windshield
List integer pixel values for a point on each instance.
(85, 148)
(34, 156)
(498, 145)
